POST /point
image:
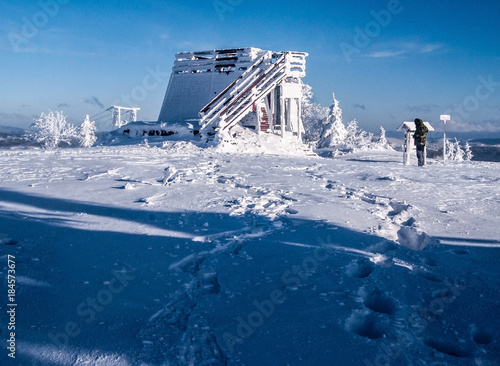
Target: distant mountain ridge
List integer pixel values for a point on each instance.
(9, 130)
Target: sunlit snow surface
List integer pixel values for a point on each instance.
(176, 255)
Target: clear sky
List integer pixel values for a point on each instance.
(386, 61)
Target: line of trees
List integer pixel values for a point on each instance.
(325, 129)
(51, 130)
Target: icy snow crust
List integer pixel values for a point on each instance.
(177, 255)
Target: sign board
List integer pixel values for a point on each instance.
(444, 117)
(290, 90)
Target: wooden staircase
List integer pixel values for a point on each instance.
(237, 99)
(264, 120)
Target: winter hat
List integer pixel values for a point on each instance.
(418, 121)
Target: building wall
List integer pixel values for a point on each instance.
(188, 93)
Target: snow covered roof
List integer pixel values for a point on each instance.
(225, 60)
(410, 126)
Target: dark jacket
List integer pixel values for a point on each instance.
(420, 135)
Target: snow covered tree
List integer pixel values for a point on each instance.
(352, 134)
(329, 131)
(382, 142)
(453, 151)
(86, 133)
(313, 115)
(334, 131)
(357, 138)
(450, 150)
(468, 152)
(52, 129)
(459, 153)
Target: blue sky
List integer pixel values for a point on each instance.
(386, 61)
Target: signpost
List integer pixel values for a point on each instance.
(444, 118)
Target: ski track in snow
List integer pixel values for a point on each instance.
(417, 209)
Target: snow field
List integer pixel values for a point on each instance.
(251, 259)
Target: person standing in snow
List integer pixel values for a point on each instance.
(420, 137)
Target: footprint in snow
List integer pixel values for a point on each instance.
(360, 268)
(448, 348)
(481, 335)
(379, 302)
(366, 324)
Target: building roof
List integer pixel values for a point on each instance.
(410, 126)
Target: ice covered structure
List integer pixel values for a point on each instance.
(214, 91)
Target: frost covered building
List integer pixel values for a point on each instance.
(216, 90)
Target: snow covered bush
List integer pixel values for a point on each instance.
(51, 130)
(86, 133)
(454, 151)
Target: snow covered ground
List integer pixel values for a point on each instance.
(176, 255)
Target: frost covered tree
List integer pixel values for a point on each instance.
(313, 115)
(468, 152)
(459, 153)
(86, 133)
(51, 130)
(326, 127)
(382, 142)
(352, 135)
(357, 138)
(334, 131)
(453, 151)
(450, 150)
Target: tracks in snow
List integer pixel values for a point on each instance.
(178, 334)
(397, 220)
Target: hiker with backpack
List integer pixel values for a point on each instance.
(420, 137)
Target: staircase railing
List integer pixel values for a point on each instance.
(235, 101)
(209, 112)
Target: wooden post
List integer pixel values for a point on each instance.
(407, 148)
(299, 122)
(282, 116)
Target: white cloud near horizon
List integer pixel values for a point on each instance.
(485, 126)
(404, 48)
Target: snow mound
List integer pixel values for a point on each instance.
(246, 141)
(412, 238)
